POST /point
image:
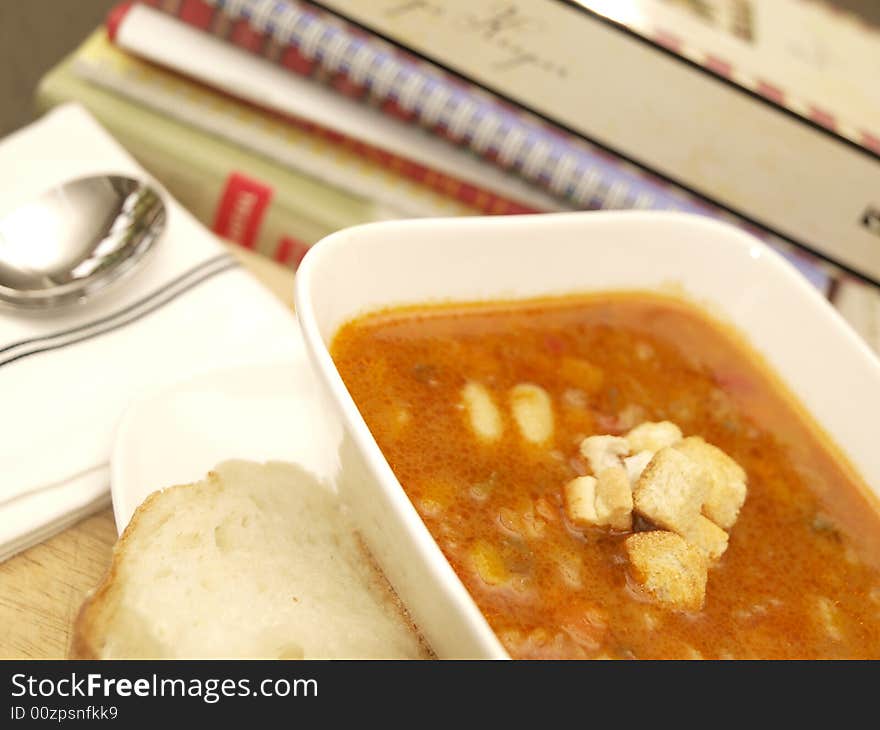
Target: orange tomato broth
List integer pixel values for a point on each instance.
(801, 576)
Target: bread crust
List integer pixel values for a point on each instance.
(101, 599)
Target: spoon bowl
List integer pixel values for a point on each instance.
(76, 239)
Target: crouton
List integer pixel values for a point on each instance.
(580, 501)
(653, 436)
(705, 535)
(603, 501)
(671, 491)
(614, 500)
(603, 452)
(532, 411)
(483, 415)
(668, 569)
(636, 464)
(726, 480)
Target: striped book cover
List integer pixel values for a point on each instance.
(313, 43)
(322, 113)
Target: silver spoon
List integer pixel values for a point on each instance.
(76, 239)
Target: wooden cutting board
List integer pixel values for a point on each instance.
(42, 588)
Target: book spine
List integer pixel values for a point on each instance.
(238, 206)
(231, 201)
(240, 217)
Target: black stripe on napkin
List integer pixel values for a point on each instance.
(94, 323)
(150, 303)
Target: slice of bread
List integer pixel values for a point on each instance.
(257, 560)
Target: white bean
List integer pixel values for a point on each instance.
(532, 410)
(483, 414)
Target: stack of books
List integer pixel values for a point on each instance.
(277, 122)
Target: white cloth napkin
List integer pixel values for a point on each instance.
(66, 377)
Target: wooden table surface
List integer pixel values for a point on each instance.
(42, 588)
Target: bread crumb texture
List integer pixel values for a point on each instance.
(255, 561)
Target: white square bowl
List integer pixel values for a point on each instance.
(733, 275)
